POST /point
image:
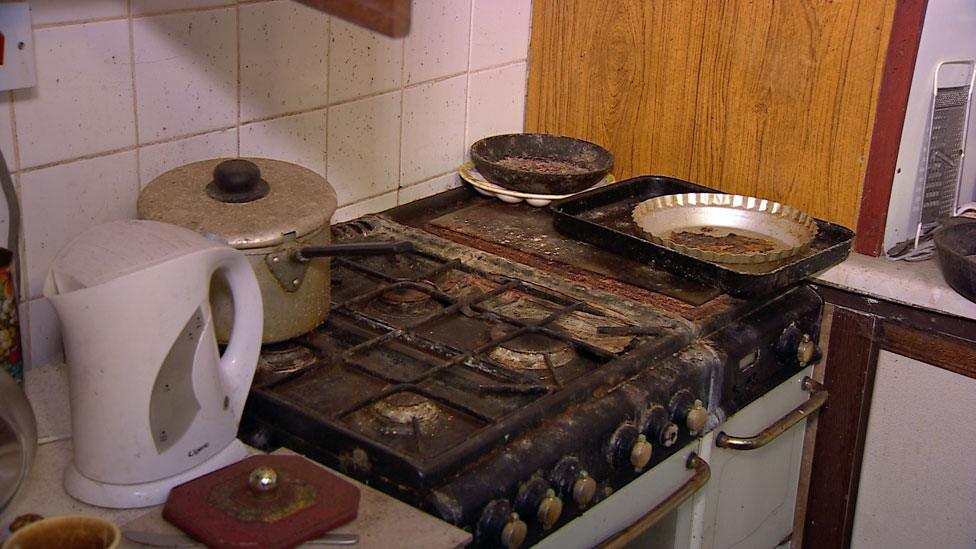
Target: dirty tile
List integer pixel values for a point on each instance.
(284, 59)
(433, 129)
(364, 140)
(437, 45)
(368, 206)
(156, 159)
(362, 62)
(7, 132)
(496, 102)
(427, 188)
(186, 73)
(300, 139)
(44, 12)
(82, 103)
(140, 7)
(499, 32)
(45, 334)
(61, 201)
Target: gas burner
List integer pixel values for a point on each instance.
(278, 359)
(530, 351)
(401, 413)
(405, 302)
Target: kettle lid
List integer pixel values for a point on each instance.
(249, 202)
(112, 250)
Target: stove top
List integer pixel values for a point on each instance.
(432, 357)
(474, 385)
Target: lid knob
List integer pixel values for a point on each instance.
(237, 181)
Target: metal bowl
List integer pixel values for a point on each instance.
(726, 228)
(540, 163)
(18, 438)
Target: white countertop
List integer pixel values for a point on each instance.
(382, 521)
(917, 284)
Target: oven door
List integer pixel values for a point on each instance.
(751, 499)
(652, 511)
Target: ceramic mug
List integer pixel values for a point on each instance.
(67, 532)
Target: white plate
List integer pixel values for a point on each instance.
(469, 173)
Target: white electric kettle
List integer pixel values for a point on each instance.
(153, 403)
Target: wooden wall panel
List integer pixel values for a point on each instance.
(774, 99)
(621, 73)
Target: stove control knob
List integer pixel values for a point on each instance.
(697, 418)
(536, 498)
(514, 532)
(499, 525)
(806, 350)
(584, 489)
(796, 345)
(621, 445)
(640, 453)
(549, 510)
(658, 426)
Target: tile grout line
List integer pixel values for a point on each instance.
(328, 93)
(18, 190)
(467, 82)
(402, 90)
(130, 15)
(237, 36)
(135, 96)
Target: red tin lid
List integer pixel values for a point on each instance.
(262, 501)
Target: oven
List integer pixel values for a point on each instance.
(523, 385)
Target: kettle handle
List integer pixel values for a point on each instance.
(240, 358)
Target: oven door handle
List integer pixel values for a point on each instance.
(702, 472)
(818, 397)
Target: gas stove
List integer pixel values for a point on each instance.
(507, 395)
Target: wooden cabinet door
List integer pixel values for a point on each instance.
(773, 99)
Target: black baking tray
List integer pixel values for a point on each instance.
(602, 217)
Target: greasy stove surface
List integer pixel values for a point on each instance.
(432, 357)
(500, 362)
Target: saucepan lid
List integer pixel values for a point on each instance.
(249, 202)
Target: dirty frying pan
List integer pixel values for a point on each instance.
(541, 163)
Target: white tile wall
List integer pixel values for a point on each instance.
(496, 102)
(300, 139)
(433, 129)
(363, 62)
(284, 59)
(364, 147)
(156, 159)
(437, 45)
(130, 88)
(82, 103)
(499, 32)
(64, 11)
(186, 73)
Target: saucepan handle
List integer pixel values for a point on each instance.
(355, 248)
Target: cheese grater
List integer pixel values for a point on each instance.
(946, 143)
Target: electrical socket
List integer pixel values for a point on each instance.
(17, 54)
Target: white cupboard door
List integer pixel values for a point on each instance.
(918, 484)
(750, 500)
